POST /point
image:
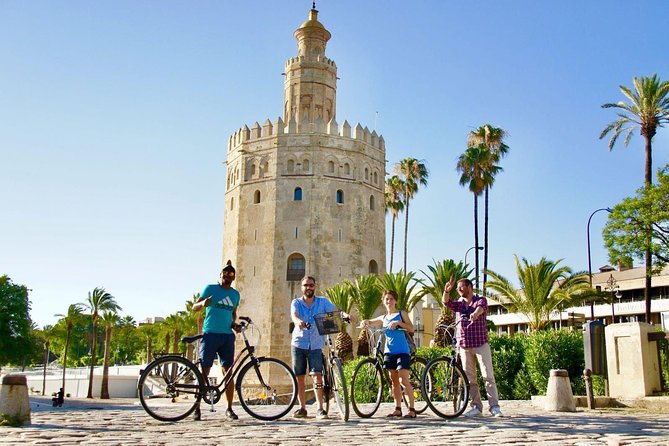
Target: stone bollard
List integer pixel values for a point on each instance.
(14, 400)
(559, 397)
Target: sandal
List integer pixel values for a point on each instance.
(397, 413)
(411, 414)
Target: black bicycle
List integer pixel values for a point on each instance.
(171, 386)
(371, 384)
(444, 384)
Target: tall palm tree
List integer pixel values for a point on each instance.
(394, 196)
(544, 287)
(109, 320)
(367, 298)
(72, 318)
(403, 284)
(340, 295)
(493, 139)
(46, 335)
(477, 170)
(439, 275)
(98, 300)
(414, 174)
(647, 109)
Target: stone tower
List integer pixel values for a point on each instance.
(304, 195)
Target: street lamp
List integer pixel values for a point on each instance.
(592, 303)
(613, 287)
(480, 248)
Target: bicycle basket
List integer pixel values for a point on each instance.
(329, 323)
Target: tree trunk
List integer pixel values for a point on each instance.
(93, 358)
(67, 346)
(406, 234)
(392, 242)
(476, 239)
(649, 257)
(104, 389)
(485, 239)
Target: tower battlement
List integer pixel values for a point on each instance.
(302, 59)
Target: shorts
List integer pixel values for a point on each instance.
(221, 344)
(300, 358)
(397, 361)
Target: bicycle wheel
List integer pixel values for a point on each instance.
(267, 388)
(169, 388)
(367, 387)
(338, 387)
(416, 374)
(445, 387)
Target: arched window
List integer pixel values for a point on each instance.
(330, 166)
(256, 197)
(305, 165)
(340, 196)
(376, 178)
(297, 194)
(371, 202)
(232, 203)
(265, 169)
(296, 267)
(347, 169)
(366, 174)
(290, 166)
(253, 169)
(373, 267)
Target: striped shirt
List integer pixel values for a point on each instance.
(471, 334)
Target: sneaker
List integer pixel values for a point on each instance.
(196, 415)
(321, 414)
(230, 415)
(473, 412)
(300, 413)
(496, 412)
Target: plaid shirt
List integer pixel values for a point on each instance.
(471, 334)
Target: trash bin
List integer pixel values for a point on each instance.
(594, 347)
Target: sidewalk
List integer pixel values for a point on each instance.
(124, 422)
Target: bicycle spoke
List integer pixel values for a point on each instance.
(267, 390)
(339, 389)
(445, 387)
(366, 388)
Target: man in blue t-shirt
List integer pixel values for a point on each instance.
(220, 302)
(307, 344)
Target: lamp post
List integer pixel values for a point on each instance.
(480, 248)
(592, 303)
(613, 287)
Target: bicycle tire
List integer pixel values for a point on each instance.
(448, 393)
(327, 385)
(367, 385)
(415, 377)
(169, 388)
(338, 388)
(267, 388)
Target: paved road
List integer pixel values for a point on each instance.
(123, 422)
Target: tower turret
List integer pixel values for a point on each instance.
(310, 86)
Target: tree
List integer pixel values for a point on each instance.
(99, 300)
(109, 320)
(627, 224)
(477, 171)
(15, 322)
(394, 197)
(647, 109)
(493, 139)
(544, 287)
(438, 277)
(367, 298)
(340, 295)
(46, 335)
(414, 174)
(403, 284)
(72, 317)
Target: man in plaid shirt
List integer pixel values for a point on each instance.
(472, 338)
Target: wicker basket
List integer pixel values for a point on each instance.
(329, 323)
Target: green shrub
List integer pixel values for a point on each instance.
(555, 349)
(508, 353)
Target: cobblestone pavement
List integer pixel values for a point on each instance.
(124, 422)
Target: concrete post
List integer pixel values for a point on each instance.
(14, 400)
(559, 397)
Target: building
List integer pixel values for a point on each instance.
(304, 195)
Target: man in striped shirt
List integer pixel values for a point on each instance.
(472, 338)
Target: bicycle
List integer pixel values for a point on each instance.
(334, 381)
(171, 386)
(371, 383)
(444, 384)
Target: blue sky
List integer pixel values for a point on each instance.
(115, 116)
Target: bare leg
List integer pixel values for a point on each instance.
(301, 392)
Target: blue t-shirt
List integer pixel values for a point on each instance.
(218, 315)
(308, 338)
(396, 340)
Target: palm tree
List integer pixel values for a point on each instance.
(367, 298)
(46, 335)
(149, 331)
(109, 320)
(647, 109)
(340, 295)
(403, 285)
(414, 174)
(394, 196)
(99, 300)
(193, 321)
(493, 139)
(544, 287)
(438, 277)
(476, 172)
(173, 325)
(72, 318)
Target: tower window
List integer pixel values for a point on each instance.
(347, 169)
(232, 203)
(290, 166)
(297, 194)
(305, 165)
(376, 178)
(373, 267)
(256, 197)
(371, 202)
(331, 167)
(296, 268)
(340, 196)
